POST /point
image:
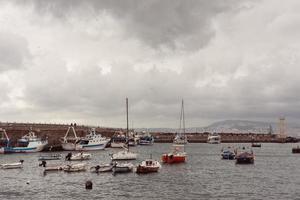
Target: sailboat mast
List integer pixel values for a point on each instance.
(127, 136)
(183, 120)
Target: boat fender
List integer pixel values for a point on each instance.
(89, 185)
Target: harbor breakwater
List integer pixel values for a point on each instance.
(55, 132)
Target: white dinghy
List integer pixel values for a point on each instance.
(78, 157)
(75, 167)
(12, 165)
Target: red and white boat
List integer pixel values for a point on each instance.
(148, 166)
(177, 156)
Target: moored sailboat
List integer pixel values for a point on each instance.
(125, 154)
(178, 155)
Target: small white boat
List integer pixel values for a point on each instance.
(69, 143)
(102, 168)
(180, 139)
(122, 167)
(12, 165)
(148, 166)
(124, 155)
(78, 157)
(214, 138)
(92, 141)
(75, 167)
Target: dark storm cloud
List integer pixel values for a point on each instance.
(80, 59)
(172, 23)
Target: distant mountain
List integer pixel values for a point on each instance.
(234, 126)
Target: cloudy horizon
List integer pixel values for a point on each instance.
(77, 61)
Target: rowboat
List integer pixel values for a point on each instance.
(75, 167)
(12, 165)
(102, 168)
(78, 157)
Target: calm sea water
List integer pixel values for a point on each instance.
(275, 175)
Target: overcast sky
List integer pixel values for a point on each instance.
(77, 61)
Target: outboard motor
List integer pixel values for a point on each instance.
(97, 168)
(43, 163)
(68, 156)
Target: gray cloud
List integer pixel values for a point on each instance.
(13, 51)
(174, 24)
(226, 59)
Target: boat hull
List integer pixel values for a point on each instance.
(256, 145)
(39, 148)
(296, 150)
(102, 168)
(145, 142)
(50, 157)
(122, 168)
(11, 166)
(144, 169)
(93, 147)
(170, 158)
(68, 146)
(244, 160)
(75, 168)
(117, 145)
(124, 155)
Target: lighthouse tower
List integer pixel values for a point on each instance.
(282, 129)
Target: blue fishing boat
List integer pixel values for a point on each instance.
(27, 144)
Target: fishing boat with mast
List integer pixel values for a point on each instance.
(92, 141)
(125, 154)
(178, 154)
(27, 144)
(68, 143)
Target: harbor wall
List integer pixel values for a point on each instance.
(55, 132)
